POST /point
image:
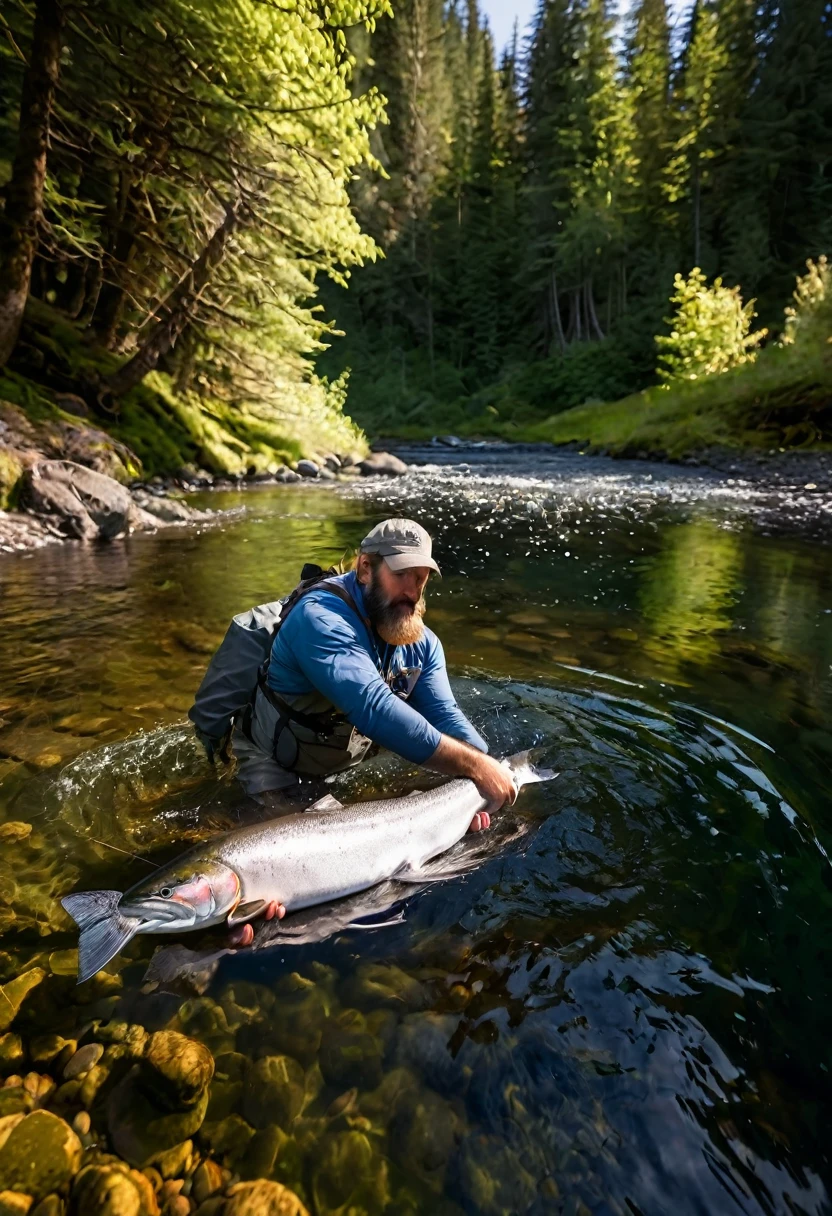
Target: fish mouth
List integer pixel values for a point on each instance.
(159, 913)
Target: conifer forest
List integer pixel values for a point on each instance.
(308, 214)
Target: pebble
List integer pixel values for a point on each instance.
(178, 1206)
(84, 1059)
(81, 1123)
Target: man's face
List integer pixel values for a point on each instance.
(394, 600)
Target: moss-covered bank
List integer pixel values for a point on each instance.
(155, 429)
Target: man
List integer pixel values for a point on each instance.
(353, 666)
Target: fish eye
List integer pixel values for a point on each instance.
(166, 892)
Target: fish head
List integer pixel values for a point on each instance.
(189, 894)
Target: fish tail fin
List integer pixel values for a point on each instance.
(526, 771)
(104, 931)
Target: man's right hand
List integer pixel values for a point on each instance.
(493, 779)
(495, 783)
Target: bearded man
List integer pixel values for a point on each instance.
(352, 669)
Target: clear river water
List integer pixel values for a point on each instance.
(626, 1008)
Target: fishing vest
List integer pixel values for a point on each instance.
(306, 735)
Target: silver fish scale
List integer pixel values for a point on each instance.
(315, 856)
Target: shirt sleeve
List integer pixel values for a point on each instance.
(331, 653)
(433, 698)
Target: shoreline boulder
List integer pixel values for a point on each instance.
(383, 464)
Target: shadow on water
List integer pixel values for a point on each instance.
(623, 1009)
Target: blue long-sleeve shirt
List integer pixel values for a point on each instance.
(324, 645)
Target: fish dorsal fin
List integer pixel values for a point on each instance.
(328, 803)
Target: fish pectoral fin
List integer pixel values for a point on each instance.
(439, 871)
(378, 924)
(243, 913)
(328, 803)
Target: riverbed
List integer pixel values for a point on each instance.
(625, 1008)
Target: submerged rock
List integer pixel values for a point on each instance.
(176, 1069)
(349, 1174)
(262, 1198)
(13, 994)
(490, 1178)
(350, 1054)
(423, 1135)
(162, 1101)
(12, 1054)
(112, 1190)
(273, 1091)
(39, 1153)
(382, 985)
(15, 1203)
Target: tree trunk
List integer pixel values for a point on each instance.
(592, 316)
(177, 309)
(24, 193)
(556, 318)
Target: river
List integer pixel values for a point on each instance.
(625, 1009)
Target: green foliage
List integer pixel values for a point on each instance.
(710, 330)
(809, 319)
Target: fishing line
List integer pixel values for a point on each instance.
(126, 852)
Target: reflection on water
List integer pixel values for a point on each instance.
(624, 1009)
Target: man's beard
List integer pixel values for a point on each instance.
(399, 623)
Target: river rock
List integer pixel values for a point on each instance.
(12, 1054)
(14, 831)
(14, 1099)
(50, 1205)
(39, 1153)
(332, 462)
(227, 1138)
(307, 468)
(262, 1198)
(14, 1203)
(208, 1179)
(490, 1179)
(383, 464)
(350, 1054)
(140, 1128)
(84, 1059)
(13, 994)
(89, 505)
(349, 1175)
(423, 1046)
(176, 1069)
(382, 985)
(273, 1092)
(112, 1190)
(167, 510)
(423, 1135)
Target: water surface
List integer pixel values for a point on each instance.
(625, 1009)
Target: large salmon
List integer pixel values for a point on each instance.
(318, 855)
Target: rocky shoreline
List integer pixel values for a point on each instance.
(69, 481)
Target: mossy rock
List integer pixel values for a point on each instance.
(13, 994)
(274, 1091)
(350, 1054)
(140, 1129)
(11, 475)
(39, 1153)
(262, 1198)
(349, 1174)
(112, 1190)
(175, 1069)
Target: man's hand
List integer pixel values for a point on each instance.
(493, 780)
(244, 934)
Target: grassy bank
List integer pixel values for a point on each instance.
(154, 429)
(783, 400)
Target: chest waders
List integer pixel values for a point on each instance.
(308, 735)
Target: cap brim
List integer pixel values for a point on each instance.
(409, 561)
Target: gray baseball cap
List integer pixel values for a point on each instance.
(402, 543)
